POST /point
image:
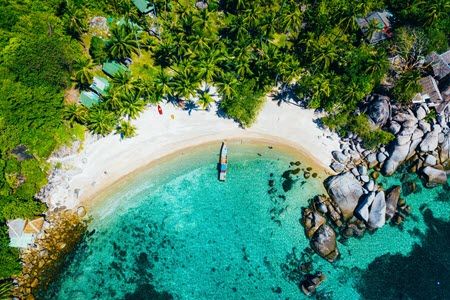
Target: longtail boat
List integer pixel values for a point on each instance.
(223, 162)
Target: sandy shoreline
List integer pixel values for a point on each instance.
(102, 162)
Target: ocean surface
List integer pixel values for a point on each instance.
(175, 232)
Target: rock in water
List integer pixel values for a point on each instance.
(434, 176)
(345, 190)
(362, 210)
(324, 243)
(377, 215)
(392, 197)
(312, 220)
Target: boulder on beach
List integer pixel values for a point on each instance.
(392, 197)
(324, 243)
(377, 214)
(345, 190)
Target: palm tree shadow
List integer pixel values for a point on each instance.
(190, 106)
(286, 94)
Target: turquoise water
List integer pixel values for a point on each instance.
(174, 231)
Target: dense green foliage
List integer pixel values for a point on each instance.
(36, 59)
(242, 49)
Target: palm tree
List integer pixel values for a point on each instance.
(185, 83)
(208, 65)
(124, 41)
(434, 10)
(75, 113)
(83, 72)
(163, 84)
(205, 100)
(113, 100)
(132, 106)
(74, 18)
(101, 121)
(226, 85)
(126, 129)
(123, 82)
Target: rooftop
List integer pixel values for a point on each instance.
(144, 6)
(382, 23)
(440, 64)
(89, 98)
(112, 68)
(100, 85)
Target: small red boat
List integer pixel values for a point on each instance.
(160, 110)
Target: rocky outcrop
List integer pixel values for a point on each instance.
(392, 197)
(312, 220)
(310, 283)
(345, 190)
(377, 214)
(324, 243)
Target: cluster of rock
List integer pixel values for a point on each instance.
(42, 259)
(322, 236)
(423, 141)
(357, 203)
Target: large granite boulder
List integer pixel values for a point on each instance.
(312, 220)
(444, 149)
(345, 190)
(434, 176)
(324, 243)
(396, 157)
(392, 197)
(379, 111)
(362, 209)
(377, 215)
(430, 141)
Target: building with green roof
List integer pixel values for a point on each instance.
(112, 68)
(100, 85)
(144, 6)
(89, 98)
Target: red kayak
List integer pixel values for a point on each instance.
(160, 110)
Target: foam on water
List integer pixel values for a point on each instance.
(175, 231)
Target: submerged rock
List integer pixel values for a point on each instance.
(310, 283)
(324, 243)
(345, 190)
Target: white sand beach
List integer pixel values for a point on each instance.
(103, 161)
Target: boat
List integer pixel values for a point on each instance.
(160, 111)
(223, 162)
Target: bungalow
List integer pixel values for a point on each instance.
(382, 23)
(112, 68)
(440, 63)
(145, 6)
(89, 98)
(23, 232)
(431, 95)
(100, 85)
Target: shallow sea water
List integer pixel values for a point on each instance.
(175, 231)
